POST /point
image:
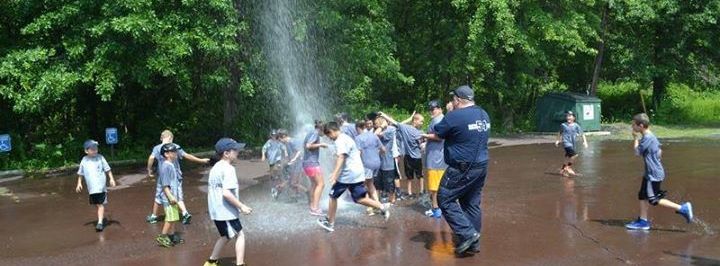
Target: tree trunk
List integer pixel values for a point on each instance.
(601, 52)
(659, 84)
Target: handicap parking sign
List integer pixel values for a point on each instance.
(5, 144)
(111, 135)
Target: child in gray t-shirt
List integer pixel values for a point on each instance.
(93, 169)
(650, 193)
(569, 131)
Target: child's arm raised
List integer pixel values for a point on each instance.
(192, 158)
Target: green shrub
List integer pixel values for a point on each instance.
(686, 106)
(621, 100)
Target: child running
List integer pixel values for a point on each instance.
(311, 166)
(370, 150)
(650, 193)
(569, 131)
(169, 181)
(434, 158)
(224, 203)
(347, 175)
(167, 137)
(93, 168)
(273, 152)
(292, 168)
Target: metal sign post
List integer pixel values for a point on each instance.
(111, 138)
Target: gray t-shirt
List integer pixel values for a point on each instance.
(353, 170)
(169, 177)
(222, 177)
(311, 158)
(370, 145)
(649, 149)
(160, 159)
(569, 133)
(434, 149)
(389, 140)
(410, 138)
(93, 170)
(293, 147)
(274, 151)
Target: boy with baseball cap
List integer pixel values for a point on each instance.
(169, 182)
(93, 168)
(224, 203)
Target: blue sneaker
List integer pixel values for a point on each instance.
(686, 211)
(639, 224)
(437, 213)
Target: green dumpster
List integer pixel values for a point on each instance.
(551, 108)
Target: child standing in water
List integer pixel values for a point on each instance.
(370, 150)
(273, 152)
(93, 169)
(347, 175)
(224, 203)
(648, 147)
(169, 182)
(569, 131)
(311, 166)
(292, 168)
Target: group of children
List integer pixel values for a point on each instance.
(367, 159)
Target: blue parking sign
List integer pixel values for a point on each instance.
(5, 144)
(111, 136)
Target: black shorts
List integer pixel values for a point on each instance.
(386, 180)
(225, 227)
(570, 152)
(413, 168)
(651, 191)
(98, 198)
(357, 190)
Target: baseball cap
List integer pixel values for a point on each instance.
(169, 147)
(463, 92)
(433, 104)
(90, 144)
(226, 144)
(570, 113)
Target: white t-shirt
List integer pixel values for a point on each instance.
(352, 170)
(222, 176)
(93, 171)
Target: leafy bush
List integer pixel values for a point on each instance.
(621, 100)
(684, 105)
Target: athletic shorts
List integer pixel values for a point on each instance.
(357, 190)
(413, 168)
(570, 152)
(651, 191)
(370, 174)
(98, 198)
(312, 171)
(434, 177)
(386, 180)
(172, 213)
(229, 228)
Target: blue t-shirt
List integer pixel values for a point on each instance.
(410, 137)
(370, 145)
(569, 133)
(160, 159)
(349, 129)
(293, 147)
(353, 170)
(389, 140)
(466, 132)
(169, 177)
(434, 158)
(649, 149)
(93, 169)
(311, 158)
(274, 151)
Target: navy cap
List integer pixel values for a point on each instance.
(226, 144)
(90, 144)
(169, 147)
(570, 113)
(463, 92)
(433, 104)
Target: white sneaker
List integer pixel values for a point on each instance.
(386, 211)
(325, 223)
(429, 213)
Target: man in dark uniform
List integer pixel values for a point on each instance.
(466, 130)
